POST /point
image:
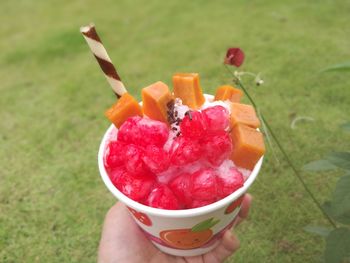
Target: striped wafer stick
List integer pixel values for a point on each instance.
(100, 53)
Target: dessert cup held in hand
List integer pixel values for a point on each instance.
(187, 232)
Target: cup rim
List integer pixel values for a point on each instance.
(163, 212)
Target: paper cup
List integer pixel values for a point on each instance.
(187, 232)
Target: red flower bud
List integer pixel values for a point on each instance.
(234, 57)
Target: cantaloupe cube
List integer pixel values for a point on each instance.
(188, 89)
(127, 106)
(244, 114)
(155, 99)
(248, 146)
(228, 92)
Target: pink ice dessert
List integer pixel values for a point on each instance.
(179, 157)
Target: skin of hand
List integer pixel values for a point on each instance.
(123, 242)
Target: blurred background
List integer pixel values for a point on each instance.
(53, 97)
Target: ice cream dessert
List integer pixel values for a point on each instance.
(181, 149)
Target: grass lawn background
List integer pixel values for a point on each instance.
(53, 95)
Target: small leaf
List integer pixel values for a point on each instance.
(319, 165)
(202, 225)
(318, 230)
(337, 67)
(344, 218)
(340, 206)
(327, 206)
(346, 126)
(340, 159)
(338, 246)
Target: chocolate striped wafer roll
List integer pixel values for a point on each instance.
(100, 53)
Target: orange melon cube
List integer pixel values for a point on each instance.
(188, 89)
(244, 114)
(155, 100)
(127, 106)
(248, 146)
(228, 92)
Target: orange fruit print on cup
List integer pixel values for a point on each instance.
(232, 207)
(189, 238)
(185, 238)
(141, 217)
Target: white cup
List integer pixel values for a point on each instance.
(187, 232)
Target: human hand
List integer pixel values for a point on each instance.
(123, 241)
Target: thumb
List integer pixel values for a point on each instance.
(228, 245)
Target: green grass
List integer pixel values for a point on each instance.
(53, 95)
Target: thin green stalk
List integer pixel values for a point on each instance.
(243, 88)
(285, 155)
(297, 174)
(269, 141)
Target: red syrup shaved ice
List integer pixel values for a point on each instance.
(179, 166)
(204, 185)
(181, 189)
(193, 125)
(162, 197)
(143, 132)
(133, 159)
(217, 147)
(156, 159)
(184, 151)
(229, 182)
(216, 118)
(115, 157)
(136, 188)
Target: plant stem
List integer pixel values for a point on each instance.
(243, 88)
(285, 155)
(297, 174)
